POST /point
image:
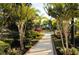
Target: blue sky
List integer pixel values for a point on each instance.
(40, 6)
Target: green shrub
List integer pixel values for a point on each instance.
(74, 51)
(13, 35)
(37, 35)
(8, 41)
(3, 46)
(15, 51)
(32, 34)
(77, 34)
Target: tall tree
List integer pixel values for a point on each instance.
(4, 14)
(18, 13)
(54, 10)
(74, 12)
(63, 12)
(23, 13)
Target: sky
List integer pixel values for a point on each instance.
(40, 6)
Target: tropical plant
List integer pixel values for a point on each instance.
(23, 13)
(19, 14)
(74, 13)
(63, 12)
(54, 11)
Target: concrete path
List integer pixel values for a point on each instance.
(43, 47)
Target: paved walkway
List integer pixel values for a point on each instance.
(43, 47)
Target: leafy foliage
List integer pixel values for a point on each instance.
(3, 46)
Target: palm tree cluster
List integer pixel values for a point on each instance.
(64, 13)
(18, 14)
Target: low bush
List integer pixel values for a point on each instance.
(7, 41)
(3, 47)
(33, 34)
(72, 51)
(15, 51)
(61, 51)
(77, 34)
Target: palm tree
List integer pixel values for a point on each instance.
(23, 13)
(53, 10)
(63, 12)
(18, 13)
(4, 14)
(74, 13)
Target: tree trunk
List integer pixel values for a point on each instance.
(60, 30)
(72, 32)
(66, 38)
(20, 28)
(65, 27)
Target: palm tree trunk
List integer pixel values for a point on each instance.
(20, 28)
(62, 38)
(65, 27)
(66, 38)
(60, 30)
